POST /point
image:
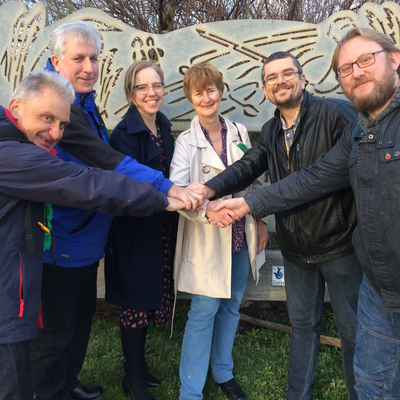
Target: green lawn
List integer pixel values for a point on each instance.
(261, 360)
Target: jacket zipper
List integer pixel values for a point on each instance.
(21, 299)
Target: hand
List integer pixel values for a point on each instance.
(223, 218)
(193, 196)
(238, 205)
(262, 236)
(175, 204)
(210, 192)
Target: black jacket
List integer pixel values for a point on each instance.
(321, 229)
(372, 166)
(133, 267)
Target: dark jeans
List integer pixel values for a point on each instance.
(377, 354)
(58, 351)
(305, 289)
(15, 371)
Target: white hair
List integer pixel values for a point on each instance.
(83, 31)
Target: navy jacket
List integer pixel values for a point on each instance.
(81, 235)
(133, 269)
(29, 173)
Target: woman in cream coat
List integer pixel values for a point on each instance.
(211, 263)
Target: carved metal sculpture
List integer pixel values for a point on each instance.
(236, 48)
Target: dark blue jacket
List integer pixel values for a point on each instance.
(81, 235)
(29, 173)
(133, 269)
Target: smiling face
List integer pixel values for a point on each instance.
(79, 64)
(370, 89)
(284, 94)
(42, 118)
(206, 101)
(147, 104)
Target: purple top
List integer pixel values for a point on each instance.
(238, 226)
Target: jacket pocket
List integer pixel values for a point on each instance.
(390, 159)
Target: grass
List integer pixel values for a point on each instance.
(261, 359)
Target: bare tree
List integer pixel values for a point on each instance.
(157, 16)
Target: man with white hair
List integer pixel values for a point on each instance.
(70, 268)
(34, 122)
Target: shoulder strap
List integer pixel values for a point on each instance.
(356, 128)
(240, 137)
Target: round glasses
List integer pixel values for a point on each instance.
(144, 89)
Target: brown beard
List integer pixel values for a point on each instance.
(292, 101)
(379, 97)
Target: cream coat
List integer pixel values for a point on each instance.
(203, 257)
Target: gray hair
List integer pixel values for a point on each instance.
(83, 31)
(33, 85)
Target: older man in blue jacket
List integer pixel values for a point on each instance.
(29, 176)
(70, 269)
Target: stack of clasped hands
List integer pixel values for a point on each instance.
(221, 213)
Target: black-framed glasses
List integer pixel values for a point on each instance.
(144, 89)
(362, 62)
(287, 76)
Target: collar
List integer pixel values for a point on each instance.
(295, 120)
(135, 123)
(304, 105)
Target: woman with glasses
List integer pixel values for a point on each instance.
(211, 263)
(138, 270)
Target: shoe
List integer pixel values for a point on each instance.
(127, 390)
(87, 392)
(232, 390)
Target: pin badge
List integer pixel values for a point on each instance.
(205, 169)
(387, 156)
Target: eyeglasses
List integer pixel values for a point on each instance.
(144, 89)
(362, 62)
(287, 76)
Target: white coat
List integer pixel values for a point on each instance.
(203, 257)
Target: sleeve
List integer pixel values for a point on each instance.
(82, 142)
(257, 184)
(180, 175)
(238, 175)
(30, 173)
(328, 174)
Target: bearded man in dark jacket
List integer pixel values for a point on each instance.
(315, 238)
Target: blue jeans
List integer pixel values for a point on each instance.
(305, 289)
(15, 371)
(377, 353)
(211, 329)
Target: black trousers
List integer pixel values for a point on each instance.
(15, 372)
(58, 351)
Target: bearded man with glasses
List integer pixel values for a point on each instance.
(316, 237)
